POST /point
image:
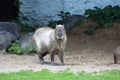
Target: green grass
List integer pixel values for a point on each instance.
(62, 75)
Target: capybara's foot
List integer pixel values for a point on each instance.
(62, 64)
(42, 62)
(52, 63)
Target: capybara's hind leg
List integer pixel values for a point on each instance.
(41, 55)
(41, 59)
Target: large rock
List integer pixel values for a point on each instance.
(5, 39)
(71, 20)
(26, 41)
(10, 27)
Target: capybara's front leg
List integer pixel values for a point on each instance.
(52, 55)
(115, 59)
(61, 58)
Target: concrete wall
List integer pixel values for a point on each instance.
(79, 6)
(42, 11)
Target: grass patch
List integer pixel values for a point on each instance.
(61, 75)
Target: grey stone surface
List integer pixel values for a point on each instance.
(5, 39)
(43, 11)
(71, 20)
(79, 6)
(11, 27)
(26, 40)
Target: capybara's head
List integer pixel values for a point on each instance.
(59, 32)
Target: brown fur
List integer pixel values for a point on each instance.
(47, 41)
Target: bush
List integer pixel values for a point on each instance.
(103, 18)
(52, 24)
(29, 49)
(15, 48)
(63, 15)
(24, 26)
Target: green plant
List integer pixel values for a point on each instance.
(54, 23)
(30, 48)
(15, 48)
(63, 14)
(90, 30)
(24, 26)
(16, 4)
(80, 22)
(103, 17)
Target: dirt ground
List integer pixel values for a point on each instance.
(83, 52)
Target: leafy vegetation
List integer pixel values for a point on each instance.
(29, 48)
(24, 26)
(108, 14)
(61, 75)
(53, 23)
(90, 30)
(15, 48)
(17, 4)
(63, 15)
(103, 17)
(80, 22)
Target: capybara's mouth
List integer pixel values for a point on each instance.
(60, 39)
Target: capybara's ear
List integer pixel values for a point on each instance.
(63, 25)
(56, 24)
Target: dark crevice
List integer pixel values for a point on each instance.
(7, 10)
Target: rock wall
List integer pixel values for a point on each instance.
(42, 11)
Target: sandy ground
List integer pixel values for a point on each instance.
(26, 62)
(83, 52)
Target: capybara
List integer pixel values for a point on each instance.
(117, 55)
(52, 41)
